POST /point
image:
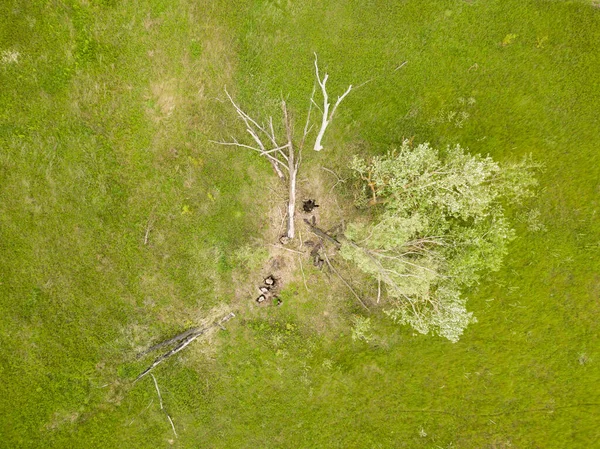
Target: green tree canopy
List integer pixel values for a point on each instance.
(438, 222)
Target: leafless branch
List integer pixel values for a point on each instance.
(149, 227)
(254, 129)
(285, 249)
(344, 281)
(380, 76)
(303, 277)
(308, 128)
(339, 179)
(249, 120)
(327, 116)
(293, 161)
(161, 405)
(321, 234)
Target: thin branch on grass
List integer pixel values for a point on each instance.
(339, 179)
(380, 76)
(149, 225)
(285, 249)
(345, 282)
(140, 414)
(303, 277)
(161, 405)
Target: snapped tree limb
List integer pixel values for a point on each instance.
(327, 116)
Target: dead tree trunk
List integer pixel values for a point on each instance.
(294, 165)
(327, 116)
(285, 159)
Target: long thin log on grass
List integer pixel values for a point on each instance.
(176, 339)
(345, 282)
(172, 352)
(185, 339)
(293, 161)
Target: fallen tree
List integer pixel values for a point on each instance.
(436, 221)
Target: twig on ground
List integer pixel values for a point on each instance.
(380, 76)
(149, 226)
(161, 405)
(378, 289)
(339, 179)
(140, 414)
(286, 249)
(283, 217)
(303, 277)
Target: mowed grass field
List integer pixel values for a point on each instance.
(121, 224)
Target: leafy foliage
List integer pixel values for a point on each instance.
(361, 330)
(439, 223)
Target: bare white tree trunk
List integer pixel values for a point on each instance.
(293, 164)
(326, 120)
(291, 205)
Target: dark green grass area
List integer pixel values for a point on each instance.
(104, 126)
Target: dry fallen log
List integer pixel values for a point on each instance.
(177, 338)
(172, 352)
(185, 338)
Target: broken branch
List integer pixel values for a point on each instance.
(326, 119)
(161, 405)
(344, 281)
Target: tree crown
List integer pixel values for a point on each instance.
(439, 222)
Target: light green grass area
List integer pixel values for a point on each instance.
(105, 120)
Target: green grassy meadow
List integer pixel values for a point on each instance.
(122, 225)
